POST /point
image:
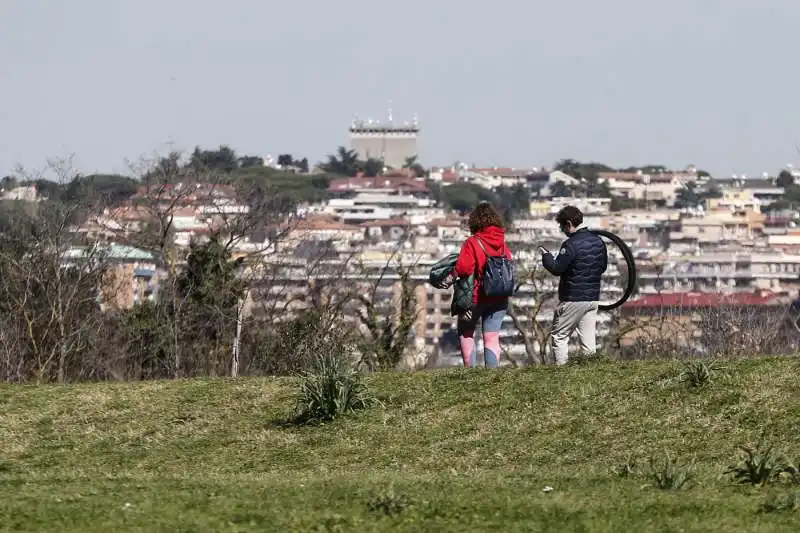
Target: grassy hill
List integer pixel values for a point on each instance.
(448, 451)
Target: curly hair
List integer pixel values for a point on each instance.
(483, 216)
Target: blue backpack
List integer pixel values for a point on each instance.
(498, 274)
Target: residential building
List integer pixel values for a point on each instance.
(391, 230)
(491, 178)
(735, 200)
(712, 229)
(588, 206)
(494, 177)
(131, 274)
(443, 176)
(729, 271)
(765, 190)
(27, 193)
(116, 222)
(541, 182)
(356, 200)
(320, 228)
(659, 188)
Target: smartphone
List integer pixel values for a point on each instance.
(543, 250)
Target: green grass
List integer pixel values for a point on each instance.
(447, 451)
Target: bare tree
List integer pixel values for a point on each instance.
(692, 328)
(49, 288)
(241, 226)
(737, 330)
(388, 331)
(535, 333)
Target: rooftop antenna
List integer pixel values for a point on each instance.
(390, 111)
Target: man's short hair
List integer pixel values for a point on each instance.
(570, 214)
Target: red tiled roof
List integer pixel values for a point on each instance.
(449, 176)
(700, 299)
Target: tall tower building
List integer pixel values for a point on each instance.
(390, 142)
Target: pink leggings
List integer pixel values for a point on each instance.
(491, 323)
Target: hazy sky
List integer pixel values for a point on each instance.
(512, 83)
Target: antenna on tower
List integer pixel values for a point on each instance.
(390, 111)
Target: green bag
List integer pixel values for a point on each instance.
(462, 288)
(442, 268)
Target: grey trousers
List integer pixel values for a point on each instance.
(569, 317)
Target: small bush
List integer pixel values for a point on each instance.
(697, 374)
(668, 474)
(290, 346)
(388, 503)
(759, 465)
(789, 502)
(331, 388)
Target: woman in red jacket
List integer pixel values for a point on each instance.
(486, 227)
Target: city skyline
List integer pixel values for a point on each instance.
(518, 86)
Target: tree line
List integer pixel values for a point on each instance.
(215, 310)
(62, 291)
(295, 181)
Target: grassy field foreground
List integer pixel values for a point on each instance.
(448, 451)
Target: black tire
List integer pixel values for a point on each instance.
(629, 260)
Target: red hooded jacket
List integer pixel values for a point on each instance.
(472, 259)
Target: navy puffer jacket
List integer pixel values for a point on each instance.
(580, 263)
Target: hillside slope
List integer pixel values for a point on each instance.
(450, 450)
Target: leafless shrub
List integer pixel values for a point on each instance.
(680, 331)
(528, 320)
(291, 346)
(740, 330)
(67, 307)
(48, 291)
(387, 328)
(659, 333)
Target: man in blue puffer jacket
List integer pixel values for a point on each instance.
(580, 263)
